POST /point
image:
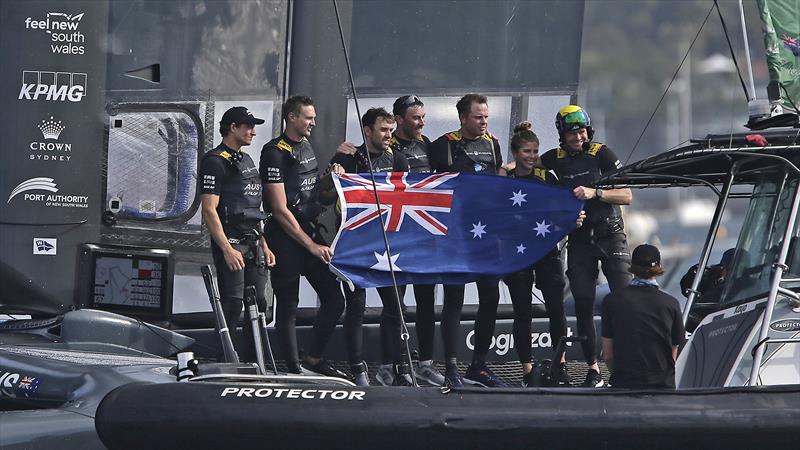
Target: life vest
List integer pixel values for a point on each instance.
(300, 182)
(538, 175)
(380, 163)
(583, 169)
(240, 193)
(415, 151)
(471, 155)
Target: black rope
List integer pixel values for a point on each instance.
(789, 97)
(733, 55)
(30, 224)
(675, 75)
(158, 335)
(404, 334)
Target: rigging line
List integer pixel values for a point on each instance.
(788, 97)
(675, 75)
(404, 334)
(30, 224)
(156, 333)
(733, 55)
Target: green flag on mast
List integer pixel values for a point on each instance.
(782, 42)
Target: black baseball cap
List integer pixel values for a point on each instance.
(645, 257)
(403, 103)
(239, 114)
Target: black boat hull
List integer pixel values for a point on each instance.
(239, 416)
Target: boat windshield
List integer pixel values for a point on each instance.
(760, 240)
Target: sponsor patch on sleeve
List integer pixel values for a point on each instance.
(273, 175)
(209, 183)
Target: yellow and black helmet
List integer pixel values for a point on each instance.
(571, 118)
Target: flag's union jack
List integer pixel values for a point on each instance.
(398, 198)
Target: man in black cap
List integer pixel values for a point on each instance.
(642, 327)
(231, 198)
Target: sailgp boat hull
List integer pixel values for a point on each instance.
(212, 416)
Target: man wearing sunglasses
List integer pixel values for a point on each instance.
(409, 114)
(579, 162)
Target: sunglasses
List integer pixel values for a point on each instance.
(410, 100)
(576, 118)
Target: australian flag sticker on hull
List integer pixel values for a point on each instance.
(446, 227)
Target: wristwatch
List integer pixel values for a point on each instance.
(598, 193)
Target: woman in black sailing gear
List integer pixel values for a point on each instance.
(377, 124)
(548, 272)
(289, 174)
(579, 162)
(470, 149)
(231, 196)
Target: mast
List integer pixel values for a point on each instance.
(747, 52)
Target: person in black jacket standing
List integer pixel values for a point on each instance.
(408, 140)
(231, 197)
(642, 327)
(377, 124)
(469, 149)
(579, 162)
(289, 175)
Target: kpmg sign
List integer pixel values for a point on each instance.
(52, 86)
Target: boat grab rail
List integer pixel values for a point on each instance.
(273, 378)
(787, 292)
(767, 340)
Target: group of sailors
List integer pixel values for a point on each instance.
(287, 189)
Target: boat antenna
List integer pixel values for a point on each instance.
(730, 47)
(404, 334)
(674, 76)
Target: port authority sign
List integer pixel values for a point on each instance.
(45, 192)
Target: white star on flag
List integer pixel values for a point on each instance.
(518, 198)
(542, 228)
(383, 262)
(521, 248)
(478, 230)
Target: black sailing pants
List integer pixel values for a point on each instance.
(549, 276)
(231, 289)
(488, 298)
(287, 298)
(583, 254)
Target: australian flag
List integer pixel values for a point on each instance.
(447, 228)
